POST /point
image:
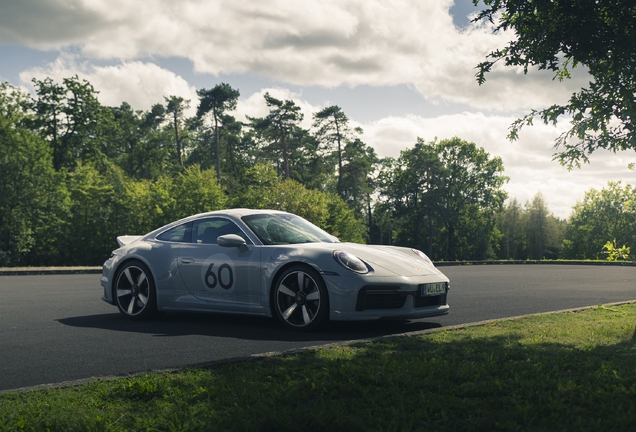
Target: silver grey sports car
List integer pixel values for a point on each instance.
(272, 263)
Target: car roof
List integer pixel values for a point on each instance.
(236, 212)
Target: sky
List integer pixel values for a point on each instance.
(399, 69)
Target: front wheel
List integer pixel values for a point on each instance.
(135, 291)
(300, 299)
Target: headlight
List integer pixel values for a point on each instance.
(423, 256)
(350, 262)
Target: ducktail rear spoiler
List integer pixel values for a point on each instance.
(127, 239)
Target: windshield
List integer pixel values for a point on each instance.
(278, 229)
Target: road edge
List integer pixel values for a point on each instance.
(210, 364)
(24, 271)
(29, 271)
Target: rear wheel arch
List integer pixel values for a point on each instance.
(145, 305)
(126, 261)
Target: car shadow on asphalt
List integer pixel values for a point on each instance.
(244, 327)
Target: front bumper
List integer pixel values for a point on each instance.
(369, 298)
(107, 275)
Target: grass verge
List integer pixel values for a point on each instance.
(566, 371)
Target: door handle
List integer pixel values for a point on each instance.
(186, 260)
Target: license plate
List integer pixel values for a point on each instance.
(433, 289)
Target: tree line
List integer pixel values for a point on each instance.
(75, 174)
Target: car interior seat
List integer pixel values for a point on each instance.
(210, 234)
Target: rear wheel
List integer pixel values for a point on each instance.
(135, 291)
(300, 299)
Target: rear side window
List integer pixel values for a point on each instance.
(206, 231)
(180, 233)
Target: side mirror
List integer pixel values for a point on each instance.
(232, 240)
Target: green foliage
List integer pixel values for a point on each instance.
(69, 117)
(281, 122)
(342, 222)
(333, 133)
(443, 196)
(33, 197)
(175, 107)
(156, 203)
(471, 193)
(615, 253)
(530, 232)
(144, 146)
(608, 213)
(356, 185)
(89, 233)
(413, 193)
(197, 191)
(217, 101)
(105, 203)
(265, 189)
(557, 35)
(76, 174)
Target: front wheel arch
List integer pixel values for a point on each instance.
(305, 309)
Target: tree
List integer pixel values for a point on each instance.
(558, 35)
(263, 188)
(145, 147)
(154, 203)
(282, 118)
(537, 227)
(307, 163)
(412, 185)
(356, 181)
(510, 225)
(91, 228)
(471, 194)
(217, 101)
(33, 197)
(444, 196)
(530, 232)
(232, 131)
(333, 130)
(197, 191)
(126, 132)
(176, 106)
(68, 117)
(602, 216)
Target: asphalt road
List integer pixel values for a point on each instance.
(55, 328)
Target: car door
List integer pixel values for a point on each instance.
(227, 278)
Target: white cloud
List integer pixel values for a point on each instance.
(314, 42)
(48, 24)
(140, 84)
(255, 106)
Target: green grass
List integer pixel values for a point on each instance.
(566, 371)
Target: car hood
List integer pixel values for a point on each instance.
(392, 259)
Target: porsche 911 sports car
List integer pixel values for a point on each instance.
(271, 263)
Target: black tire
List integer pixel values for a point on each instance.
(300, 300)
(134, 291)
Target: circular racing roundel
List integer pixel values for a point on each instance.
(218, 274)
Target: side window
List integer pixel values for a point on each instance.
(180, 233)
(206, 231)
